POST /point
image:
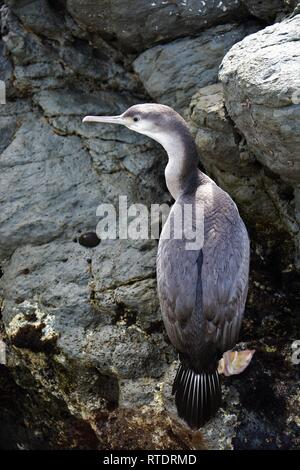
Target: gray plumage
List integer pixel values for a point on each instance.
(202, 292)
(202, 296)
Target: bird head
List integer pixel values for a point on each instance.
(154, 120)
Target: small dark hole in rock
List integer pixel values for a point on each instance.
(92, 295)
(108, 388)
(123, 314)
(25, 271)
(31, 317)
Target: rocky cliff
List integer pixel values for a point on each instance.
(85, 360)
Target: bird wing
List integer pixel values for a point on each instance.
(203, 292)
(224, 275)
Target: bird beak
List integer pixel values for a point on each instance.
(105, 119)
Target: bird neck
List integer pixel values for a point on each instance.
(182, 168)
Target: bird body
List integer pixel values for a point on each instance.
(202, 296)
(202, 292)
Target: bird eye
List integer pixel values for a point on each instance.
(136, 118)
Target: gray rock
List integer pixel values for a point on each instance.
(136, 154)
(139, 391)
(264, 104)
(40, 64)
(138, 25)
(87, 363)
(59, 166)
(24, 48)
(266, 10)
(228, 159)
(73, 102)
(264, 101)
(85, 173)
(172, 73)
(39, 16)
(292, 6)
(54, 299)
(6, 73)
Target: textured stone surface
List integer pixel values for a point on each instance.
(67, 59)
(266, 10)
(84, 359)
(137, 25)
(264, 103)
(171, 73)
(226, 156)
(5, 68)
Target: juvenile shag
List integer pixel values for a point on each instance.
(202, 292)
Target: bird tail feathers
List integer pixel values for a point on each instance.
(197, 395)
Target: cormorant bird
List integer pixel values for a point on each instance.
(202, 291)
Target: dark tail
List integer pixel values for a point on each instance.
(197, 395)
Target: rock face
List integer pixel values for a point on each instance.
(262, 103)
(83, 352)
(138, 25)
(225, 155)
(265, 106)
(265, 10)
(173, 72)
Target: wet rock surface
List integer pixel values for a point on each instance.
(84, 359)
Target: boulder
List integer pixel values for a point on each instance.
(135, 26)
(266, 203)
(263, 102)
(265, 105)
(227, 158)
(172, 73)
